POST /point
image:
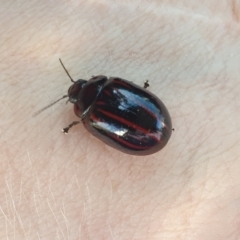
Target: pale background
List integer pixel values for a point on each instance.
(73, 187)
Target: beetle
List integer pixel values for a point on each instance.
(120, 113)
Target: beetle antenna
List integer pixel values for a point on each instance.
(66, 70)
(48, 106)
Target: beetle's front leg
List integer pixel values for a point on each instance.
(65, 130)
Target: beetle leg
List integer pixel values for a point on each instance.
(146, 84)
(65, 130)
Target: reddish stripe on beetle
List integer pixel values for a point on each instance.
(101, 103)
(124, 121)
(128, 123)
(111, 93)
(107, 92)
(95, 118)
(123, 141)
(145, 109)
(122, 83)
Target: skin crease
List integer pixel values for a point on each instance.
(71, 187)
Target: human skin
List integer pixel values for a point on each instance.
(56, 186)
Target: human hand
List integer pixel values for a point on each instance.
(75, 187)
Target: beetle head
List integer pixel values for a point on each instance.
(75, 89)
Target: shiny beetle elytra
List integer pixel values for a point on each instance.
(123, 115)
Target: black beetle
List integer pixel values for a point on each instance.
(123, 115)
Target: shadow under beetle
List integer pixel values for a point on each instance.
(118, 112)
